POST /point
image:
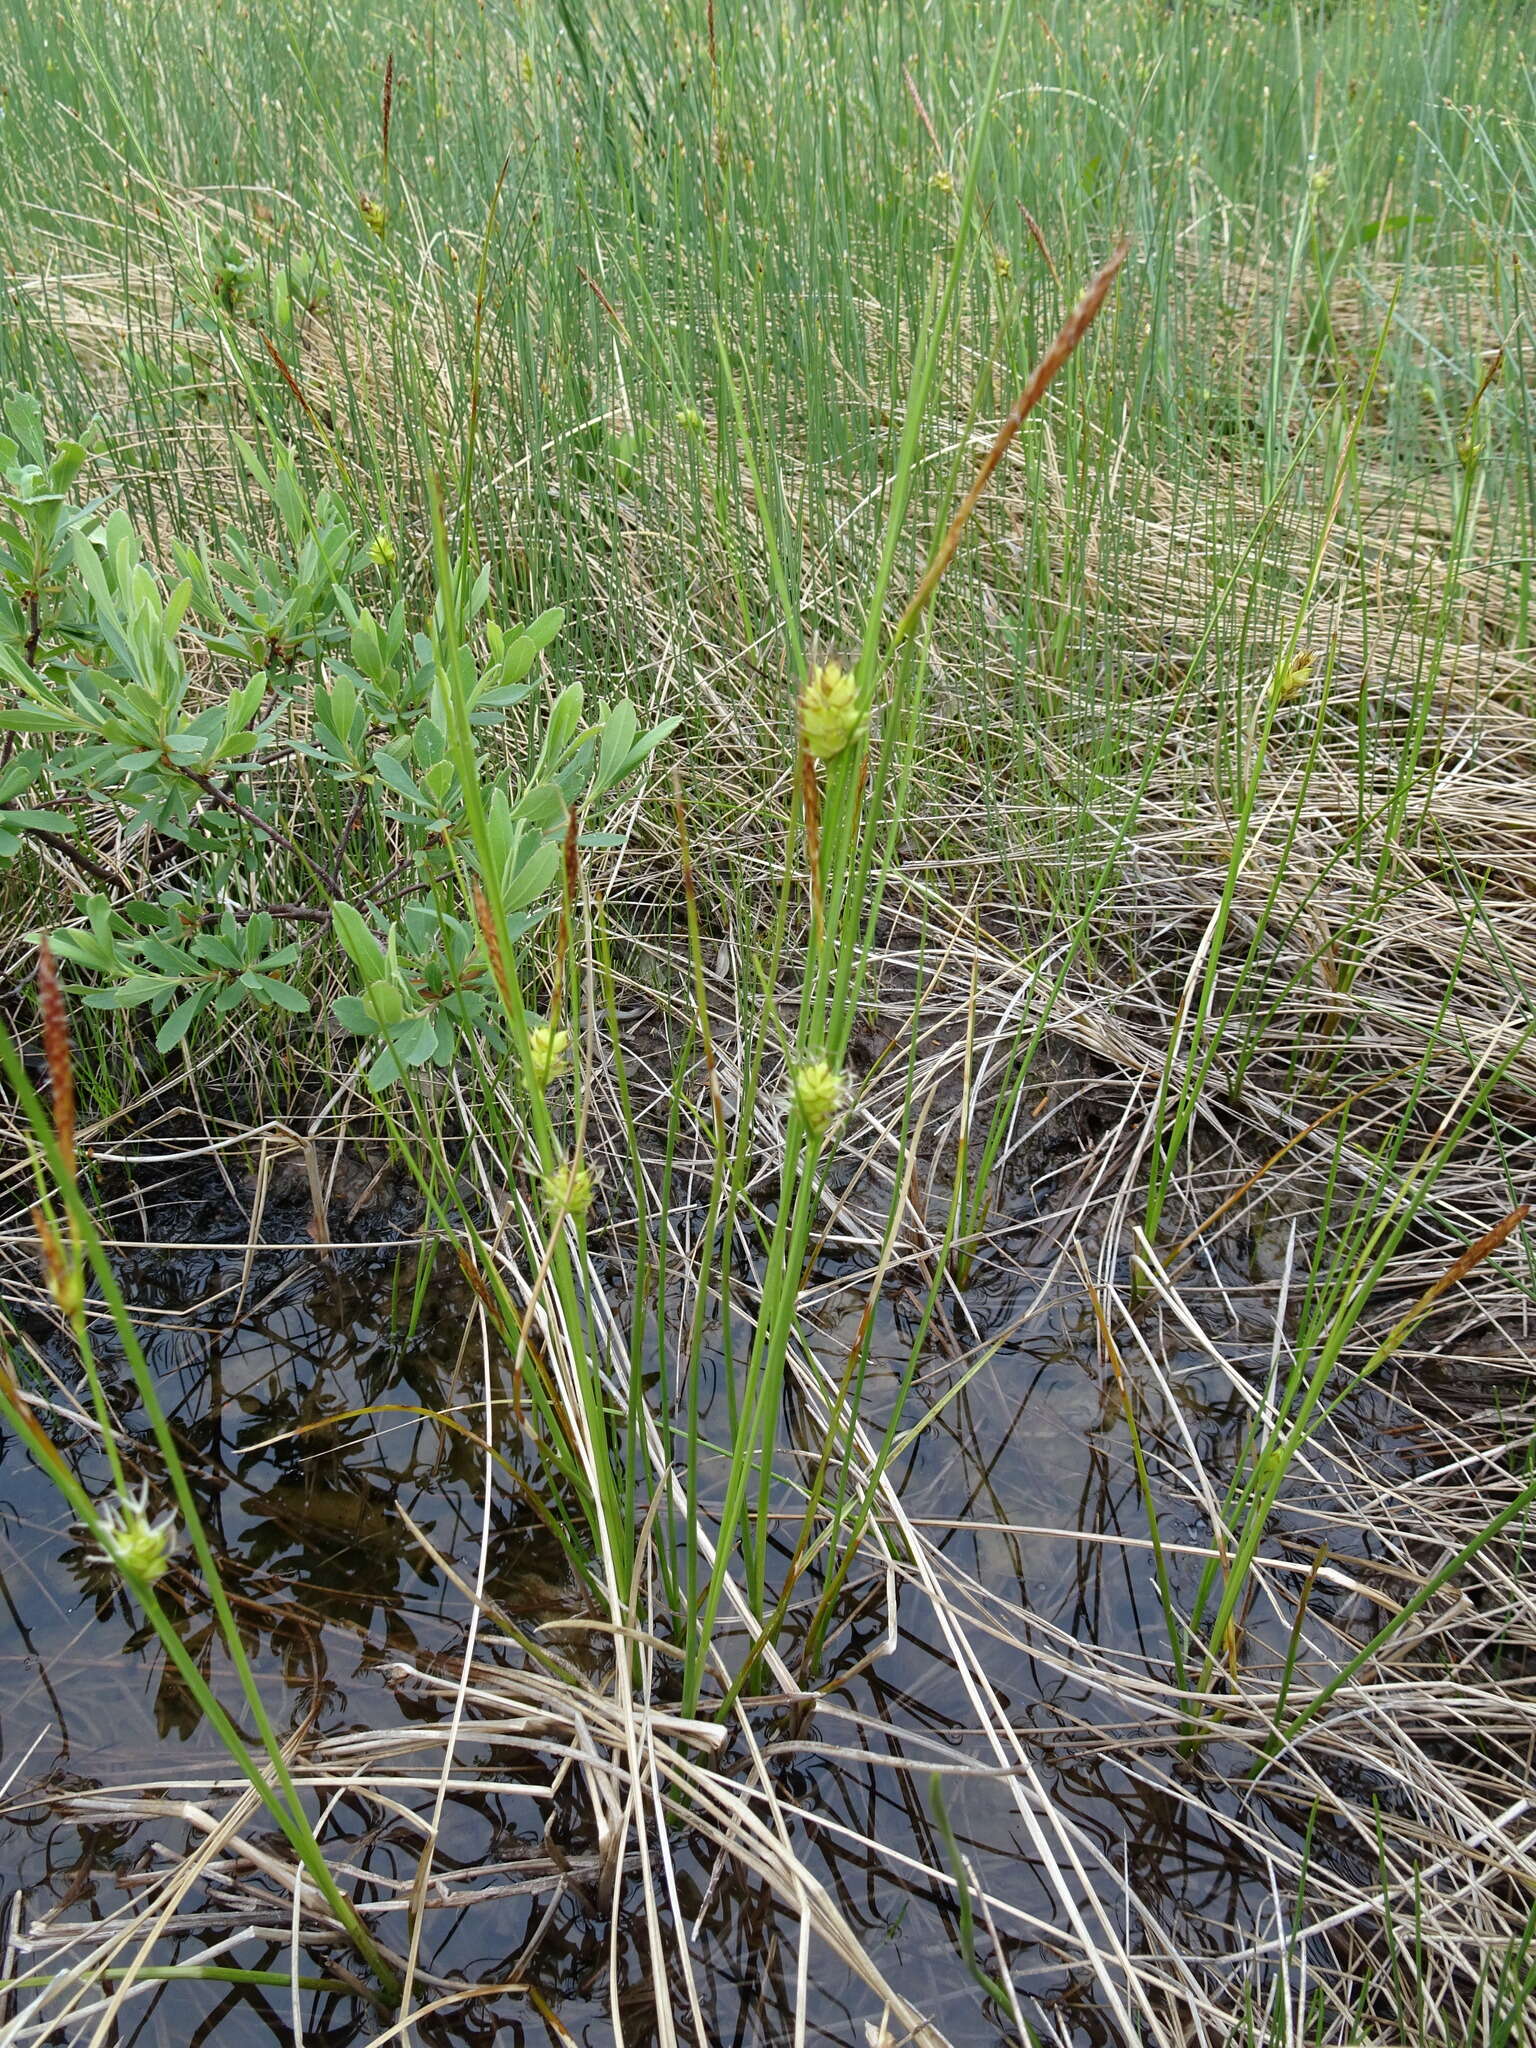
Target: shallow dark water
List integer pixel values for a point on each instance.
(1030, 1464)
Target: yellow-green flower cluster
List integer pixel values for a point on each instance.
(547, 1050)
(829, 711)
(569, 1188)
(818, 1091)
(131, 1541)
(1292, 678)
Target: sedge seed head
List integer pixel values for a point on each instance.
(829, 711)
(818, 1091)
(1292, 678)
(547, 1050)
(133, 1542)
(56, 1051)
(569, 1188)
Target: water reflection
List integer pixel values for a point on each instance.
(1025, 1480)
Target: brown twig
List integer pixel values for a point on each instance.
(86, 862)
(268, 830)
(347, 830)
(374, 891)
(286, 913)
(1076, 325)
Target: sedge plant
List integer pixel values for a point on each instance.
(853, 791)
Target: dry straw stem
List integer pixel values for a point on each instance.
(1068, 339)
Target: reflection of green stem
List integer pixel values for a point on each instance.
(1149, 1498)
(967, 1911)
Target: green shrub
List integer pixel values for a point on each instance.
(281, 753)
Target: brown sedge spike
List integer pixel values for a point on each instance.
(388, 108)
(61, 1072)
(1070, 335)
(492, 944)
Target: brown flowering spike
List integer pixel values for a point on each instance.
(492, 944)
(1490, 1242)
(61, 1072)
(1073, 328)
(62, 1268)
(388, 106)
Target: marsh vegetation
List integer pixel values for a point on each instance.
(768, 818)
